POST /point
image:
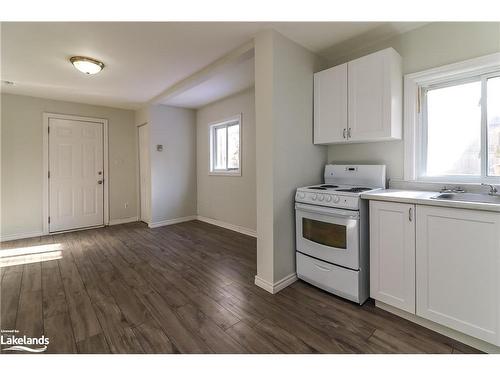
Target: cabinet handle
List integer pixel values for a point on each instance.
(343, 134)
(322, 268)
(348, 132)
(410, 214)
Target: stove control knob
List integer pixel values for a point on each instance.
(321, 197)
(313, 197)
(328, 198)
(300, 195)
(336, 199)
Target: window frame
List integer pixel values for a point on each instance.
(416, 86)
(231, 121)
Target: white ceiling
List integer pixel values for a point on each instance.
(144, 59)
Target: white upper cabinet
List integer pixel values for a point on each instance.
(330, 105)
(375, 97)
(369, 90)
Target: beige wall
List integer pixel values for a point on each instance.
(173, 170)
(423, 48)
(22, 160)
(264, 119)
(286, 156)
(297, 161)
(230, 199)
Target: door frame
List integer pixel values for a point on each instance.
(148, 187)
(45, 163)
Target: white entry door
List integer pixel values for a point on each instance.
(76, 174)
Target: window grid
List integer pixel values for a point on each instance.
(215, 168)
(423, 132)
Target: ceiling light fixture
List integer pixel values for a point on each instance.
(86, 64)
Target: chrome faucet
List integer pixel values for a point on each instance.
(493, 189)
(457, 189)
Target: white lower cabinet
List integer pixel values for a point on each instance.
(442, 264)
(392, 254)
(458, 270)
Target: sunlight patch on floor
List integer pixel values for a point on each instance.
(30, 254)
(30, 250)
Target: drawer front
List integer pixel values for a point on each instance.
(337, 280)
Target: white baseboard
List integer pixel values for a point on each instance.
(171, 221)
(123, 221)
(456, 335)
(284, 282)
(233, 227)
(277, 286)
(264, 284)
(18, 236)
(236, 228)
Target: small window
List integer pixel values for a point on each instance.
(460, 129)
(225, 150)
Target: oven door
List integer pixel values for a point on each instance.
(328, 234)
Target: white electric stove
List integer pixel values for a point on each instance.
(332, 230)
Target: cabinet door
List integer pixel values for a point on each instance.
(330, 105)
(375, 97)
(458, 267)
(392, 254)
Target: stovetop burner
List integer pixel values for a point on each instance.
(329, 186)
(355, 189)
(317, 188)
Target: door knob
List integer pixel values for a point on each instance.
(99, 182)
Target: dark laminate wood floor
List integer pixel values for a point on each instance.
(185, 288)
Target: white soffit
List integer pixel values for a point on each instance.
(229, 81)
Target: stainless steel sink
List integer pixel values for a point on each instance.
(468, 197)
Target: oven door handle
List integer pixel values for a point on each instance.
(327, 211)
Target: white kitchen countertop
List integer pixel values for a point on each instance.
(424, 197)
